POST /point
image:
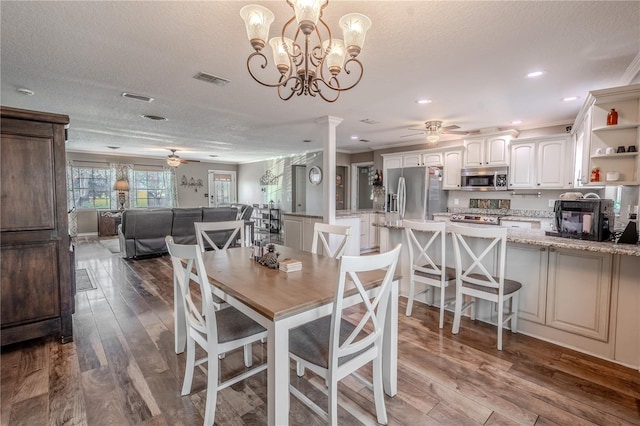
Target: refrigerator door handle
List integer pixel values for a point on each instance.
(402, 194)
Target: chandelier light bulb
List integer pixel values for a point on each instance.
(257, 20)
(307, 14)
(354, 27)
(334, 49)
(281, 52)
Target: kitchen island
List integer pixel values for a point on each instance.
(579, 294)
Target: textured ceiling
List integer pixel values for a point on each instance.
(469, 58)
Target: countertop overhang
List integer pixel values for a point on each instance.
(538, 238)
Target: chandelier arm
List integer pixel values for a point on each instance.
(296, 88)
(319, 92)
(281, 81)
(347, 71)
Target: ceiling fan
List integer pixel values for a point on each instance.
(174, 160)
(434, 128)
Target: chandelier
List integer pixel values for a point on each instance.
(308, 63)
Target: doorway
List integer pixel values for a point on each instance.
(362, 185)
(299, 188)
(222, 188)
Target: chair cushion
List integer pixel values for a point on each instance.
(449, 273)
(510, 286)
(233, 325)
(311, 341)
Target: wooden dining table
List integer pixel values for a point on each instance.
(281, 301)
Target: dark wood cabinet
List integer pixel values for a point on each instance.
(36, 273)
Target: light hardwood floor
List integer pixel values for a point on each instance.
(121, 369)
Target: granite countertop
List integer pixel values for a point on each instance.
(339, 213)
(538, 238)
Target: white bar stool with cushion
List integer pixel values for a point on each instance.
(216, 331)
(424, 269)
(323, 231)
(476, 281)
(334, 347)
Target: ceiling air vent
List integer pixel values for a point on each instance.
(365, 140)
(369, 121)
(136, 97)
(154, 117)
(210, 78)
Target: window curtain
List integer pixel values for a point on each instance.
(72, 213)
(172, 186)
(122, 172)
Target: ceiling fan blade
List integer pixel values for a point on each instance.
(183, 160)
(413, 134)
(451, 127)
(455, 132)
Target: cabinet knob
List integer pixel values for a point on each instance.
(538, 184)
(543, 249)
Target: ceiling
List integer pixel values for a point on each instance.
(469, 57)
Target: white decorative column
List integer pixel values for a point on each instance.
(328, 134)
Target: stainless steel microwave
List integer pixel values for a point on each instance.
(484, 179)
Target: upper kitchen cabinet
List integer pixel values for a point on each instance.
(391, 162)
(611, 148)
(451, 170)
(541, 163)
(488, 150)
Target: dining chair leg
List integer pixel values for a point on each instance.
(457, 313)
(248, 356)
(514, 310)
(299, 369)
(191, 365)
(442, 296)
(500, 323)
(212, 389)
(472, 305)
(378, 390)
(412, 288)
(332, 394)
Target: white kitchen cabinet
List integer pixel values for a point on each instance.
(491, 150)
(412, 160)
(298, 231)
(391, 162)
(452, 165)
(551, 164)
(578, 293)
(364, 231)
(533, 295)
(541, 163)
(582, 137)
(522, 173)
(432, 159)
(374, 231)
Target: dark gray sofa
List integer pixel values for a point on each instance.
(142, 232)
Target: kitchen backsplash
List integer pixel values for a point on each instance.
(479, 203)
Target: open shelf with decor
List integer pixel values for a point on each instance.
(267, 223)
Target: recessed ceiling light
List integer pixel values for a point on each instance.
(154, 117)
(516, 122)
(424, 101)
(25, 92)
(535, 74)
(571, 98)
(354, 137)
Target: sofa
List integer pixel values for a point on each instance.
(142, 232)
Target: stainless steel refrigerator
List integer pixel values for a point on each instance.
(416, 192)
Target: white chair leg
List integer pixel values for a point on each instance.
(299, 369)
(378, 391)
(212, 390)
(412, 288)
(442, 295)
(457, 314)
(472, 305)
(248, 356)
(332, 408)
(191, 365)
(514, 310)
(500, 324)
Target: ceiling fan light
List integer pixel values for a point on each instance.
(173, 161)
(257, 19)
(354, 27)
(433, 136)
(335, 53)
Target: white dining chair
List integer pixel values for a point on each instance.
(234, 230)
(215, 331)
(334, 347)
(322, 233)
(426, 270)
(477, 281)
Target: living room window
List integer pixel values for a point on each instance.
(151, 188)
(91, 187)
